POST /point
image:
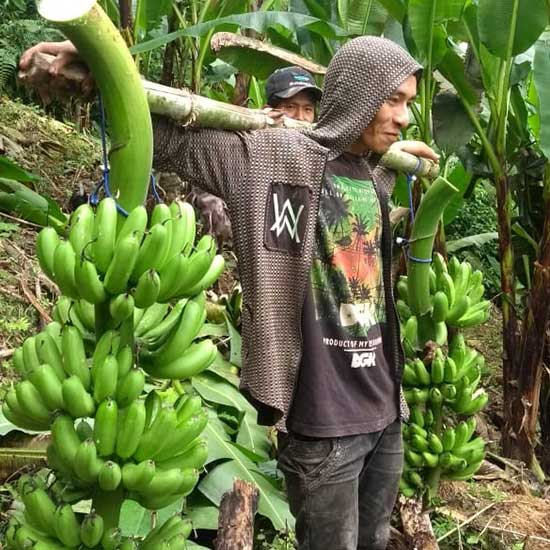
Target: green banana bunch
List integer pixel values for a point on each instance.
(174, 530)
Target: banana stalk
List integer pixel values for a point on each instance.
(114, 71)
(421, 242)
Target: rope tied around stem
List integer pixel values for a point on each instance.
(402, 241)
(104, 183)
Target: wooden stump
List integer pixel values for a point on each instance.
(236, 519)
(417, 526)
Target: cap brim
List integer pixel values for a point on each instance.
(314, 90)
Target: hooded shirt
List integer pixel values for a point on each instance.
(271, 181)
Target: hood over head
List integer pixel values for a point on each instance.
(360, 77)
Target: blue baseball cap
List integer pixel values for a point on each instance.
(287, 82)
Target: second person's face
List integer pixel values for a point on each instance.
(299, 107)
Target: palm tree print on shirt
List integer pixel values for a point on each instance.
(347, 269)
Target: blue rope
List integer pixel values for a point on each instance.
(104, 183)
(411, 178)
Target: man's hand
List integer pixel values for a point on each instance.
(65, 53)
(416, 148)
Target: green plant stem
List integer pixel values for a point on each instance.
(105, 52)
(421, 243)
(108, 505)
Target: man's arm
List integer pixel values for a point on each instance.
(213, 160)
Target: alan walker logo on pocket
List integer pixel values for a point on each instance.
(286, 217)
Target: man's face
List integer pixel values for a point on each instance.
(299, 107)
(388, 122)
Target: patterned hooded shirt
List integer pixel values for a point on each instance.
(271, 181)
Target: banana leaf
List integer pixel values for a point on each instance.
(29, 205)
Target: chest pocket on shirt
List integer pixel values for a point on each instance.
(286, 215)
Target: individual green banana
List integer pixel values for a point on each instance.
(406, 489)
(74, 355)
(122, 264)
(31, 402)
(90, 286)
(465, 473)
(429, 418)
(478, 401)
(171, 274)
(416, 429)
(91, 529)
(170, 482)
(431, 460)
(448, 439)
(461, 306)
(183, 228)
(105, 427)
(48, 386)
(161, 214)
(85, 312)
(448, 287)
(30, 358)
(134, 225)
(451, 370)
(107, 344)
(457, 350)
(65, 438)
(39, 508)
(131, 425)
(186, 406)
(130, 387)
(410, 331)
(439, 264)
(403, 289)
(66, 526)
(403, 310)
(194, 360)
(18, 362)
(153, 404)
(105, 379)
(422, 374)
(18, 418)
(461, 434)
(199, 264)
(64, 262)
(86, 463)
(104, 234)
(419, 444)
(181, 337)
(165, 324)
(125, 361)
(477, 318)
(440, 307)
(437, 370)
(185, 433)
(120, 308)
(209, 278)
(147, 289)
(136, 477)
(435, 444)
(82, 228)
(414, 459)
(153, 251)
(78, 402)
(46, 243)
(48, 352)
(154, 438)
(151, 318)
(110, 476)
(461, 278)
(194, 457)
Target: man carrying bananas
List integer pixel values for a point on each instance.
(321, 349)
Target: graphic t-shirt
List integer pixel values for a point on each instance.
(344, 385)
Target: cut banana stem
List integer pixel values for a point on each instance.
(102, 47)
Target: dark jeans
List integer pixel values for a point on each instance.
(342, 490)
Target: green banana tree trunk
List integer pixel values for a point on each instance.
(114, 71)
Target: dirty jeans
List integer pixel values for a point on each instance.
(342, 490)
